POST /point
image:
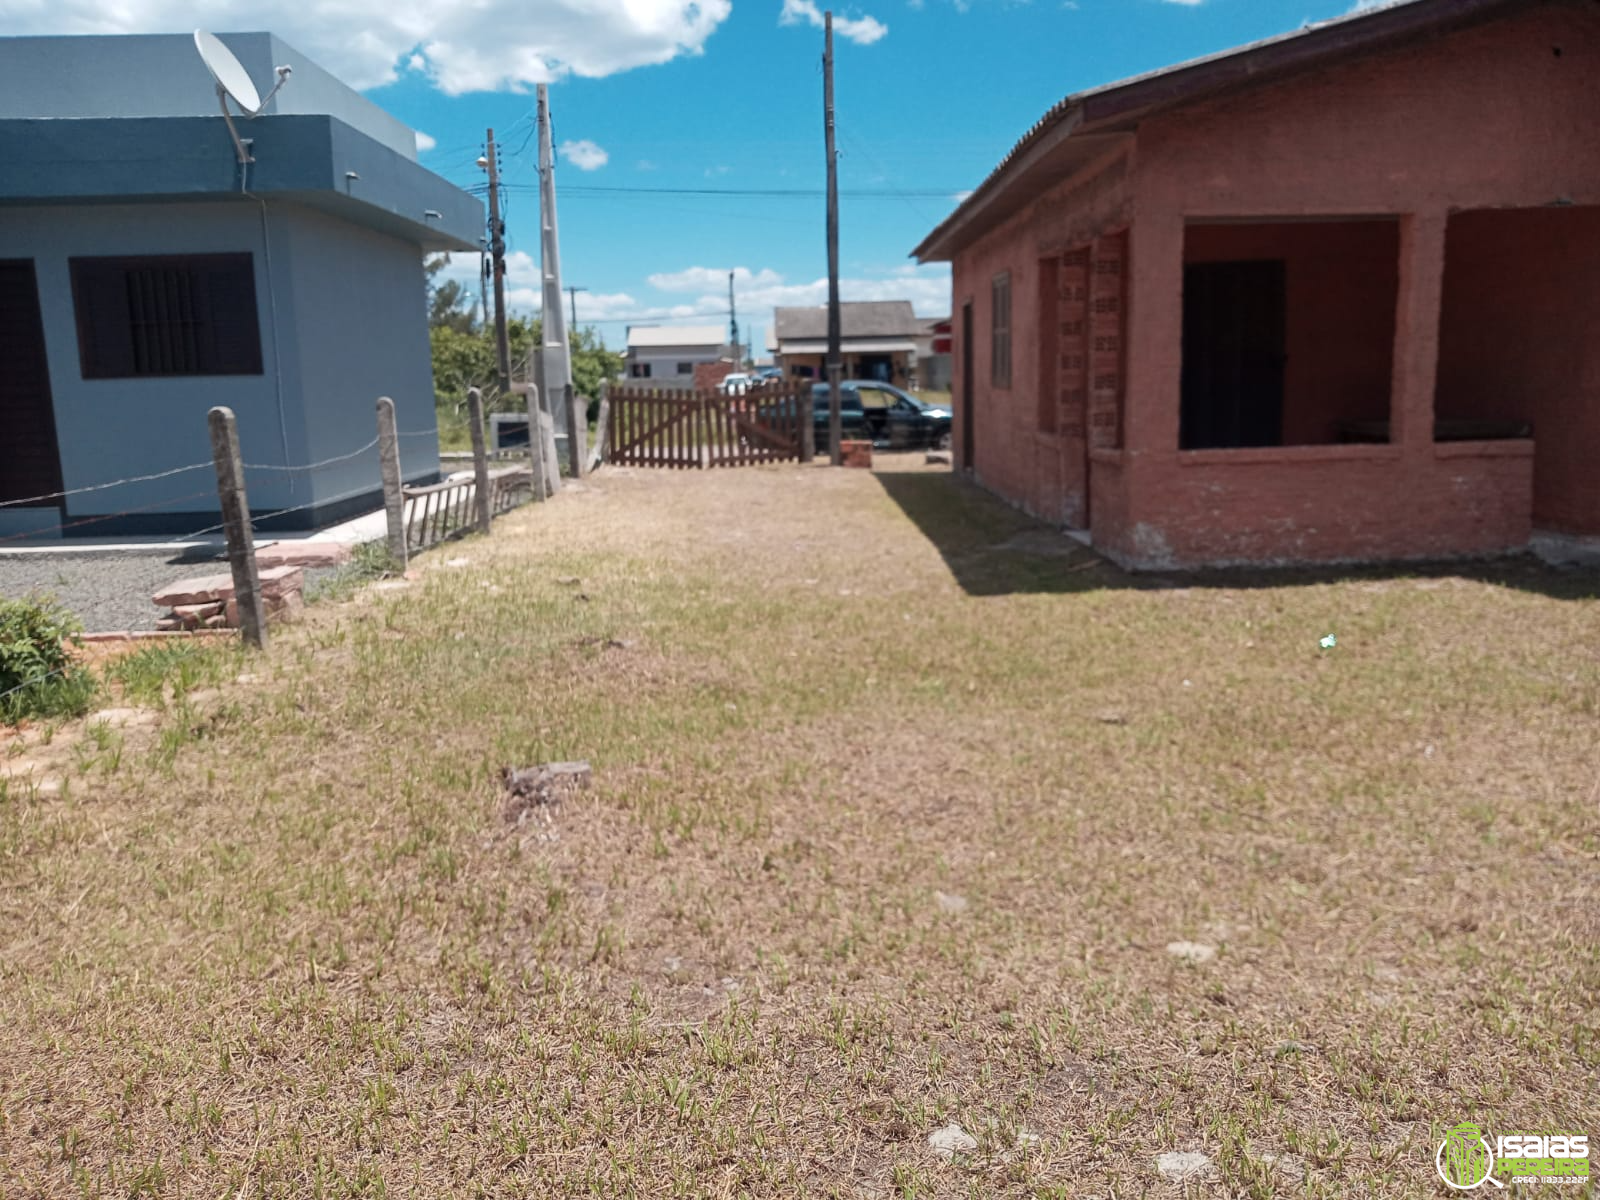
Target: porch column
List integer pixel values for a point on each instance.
(1416, 331)
(1154, 327)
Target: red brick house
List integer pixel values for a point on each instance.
(1331, 296)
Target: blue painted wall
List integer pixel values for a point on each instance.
(343, 320)
(310, 159)
(360, 326)
(161, 75)
(109, 429)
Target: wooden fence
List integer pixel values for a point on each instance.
(665, 427)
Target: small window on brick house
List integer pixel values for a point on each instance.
(686, 368)
(192, 314)
(641, 370)
(1000, 344)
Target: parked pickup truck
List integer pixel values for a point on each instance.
(869, 411)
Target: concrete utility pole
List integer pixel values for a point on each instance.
(555, 364)
(733, 324)
(497, 251)
(835, 367)
(572, 297)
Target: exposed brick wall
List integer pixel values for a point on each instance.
(708, 375)
(1016, 453)
(1485, 117)
(1326, 504)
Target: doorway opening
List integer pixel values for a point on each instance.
(31, 462)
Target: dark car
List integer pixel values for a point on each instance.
(887, 417)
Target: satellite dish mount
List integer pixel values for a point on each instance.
(233, 82)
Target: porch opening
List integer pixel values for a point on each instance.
(1288, 332)
(1519, 328)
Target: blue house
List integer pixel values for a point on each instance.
(146, 274)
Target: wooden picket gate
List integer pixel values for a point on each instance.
(666, 427)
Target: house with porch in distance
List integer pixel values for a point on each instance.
(877, 340)
(667, 355)
(1331, 296)
(148, 274)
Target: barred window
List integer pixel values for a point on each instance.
(191, 314)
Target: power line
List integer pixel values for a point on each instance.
(752, 193)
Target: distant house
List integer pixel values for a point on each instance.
(1335, 295)
(147, 275)
(667, 355)
(878, 340)
(933, 354)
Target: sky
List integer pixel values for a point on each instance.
(672, 117)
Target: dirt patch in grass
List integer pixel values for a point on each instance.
(902, 814)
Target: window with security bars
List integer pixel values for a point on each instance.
(192, 314)
(1000, 345)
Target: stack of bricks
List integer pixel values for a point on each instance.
(207, 602)
(855, 454)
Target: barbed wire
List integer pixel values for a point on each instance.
(168, 474)
(100, 487)
(316, 466)
(97, 518)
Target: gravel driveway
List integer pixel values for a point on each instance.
(107, 590)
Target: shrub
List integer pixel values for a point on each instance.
(38, 677)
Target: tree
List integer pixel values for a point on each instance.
(449, 304)
(464, 355)
(592, 365)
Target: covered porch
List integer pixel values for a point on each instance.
(1360, 386)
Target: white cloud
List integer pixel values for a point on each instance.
(584, 155)
(698, 279)
(425, 142)
(759, 292)
(861, 30)
(704, 291)
(460, 45)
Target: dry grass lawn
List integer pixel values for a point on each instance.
(900, 803)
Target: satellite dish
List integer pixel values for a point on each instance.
(232, 79)
(234, 82)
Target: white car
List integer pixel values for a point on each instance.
(735, 384)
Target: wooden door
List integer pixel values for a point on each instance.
(30, 461)
(1233, 360)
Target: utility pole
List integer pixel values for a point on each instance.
(555, 369)
(835, 367)
(572, 292)
(733, 324)
(497, 251)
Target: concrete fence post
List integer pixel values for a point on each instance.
(552, 459)
(394, 500)
(602, 427)
(480, 461)
(805, 414)
(535, 444)
(577, 432)
(236, 524)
